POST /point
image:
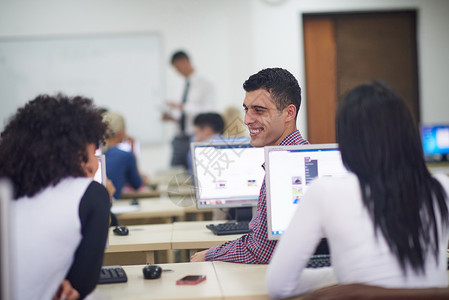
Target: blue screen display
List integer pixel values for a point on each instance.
(435, 139)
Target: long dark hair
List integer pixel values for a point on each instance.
(380, 142)
(46, 140)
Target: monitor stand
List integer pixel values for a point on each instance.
(241, 213)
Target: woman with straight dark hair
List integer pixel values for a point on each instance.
(386, 222)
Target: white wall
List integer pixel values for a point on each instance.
(230, 40)
(279, 34)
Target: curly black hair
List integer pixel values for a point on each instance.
(46, 140)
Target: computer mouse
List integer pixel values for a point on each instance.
(121, 230)
(152, 272)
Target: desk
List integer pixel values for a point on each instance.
(241, 281)
(150, 238)
(173, 190)
(224, 281)
(195, 235)
(438, 167)
(148, 210)
(143, 238)
(141, 194)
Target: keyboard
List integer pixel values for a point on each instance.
(229, 228)
(112, 274)
(319, 261)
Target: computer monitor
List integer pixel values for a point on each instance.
(226, 173)
(6, 252)
(289, 171)
(435, 141)
(100, 175)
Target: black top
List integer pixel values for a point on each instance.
(94, 215)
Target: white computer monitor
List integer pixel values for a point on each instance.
(6, 252)
(100, 175)
(226, 173)
(289, 171)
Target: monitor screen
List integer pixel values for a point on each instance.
(100, 175)
(289, 171)
(227, 173)
(435, 139)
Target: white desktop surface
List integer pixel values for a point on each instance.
(239, 281)
(147, 208)
(224, 281)
(141, 238)
(163, 288)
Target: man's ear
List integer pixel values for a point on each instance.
(291, 112)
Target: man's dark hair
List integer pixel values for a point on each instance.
(214, 120)
(46, 140)
(280, 83)
(179, 55)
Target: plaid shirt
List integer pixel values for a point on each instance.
(254, 247)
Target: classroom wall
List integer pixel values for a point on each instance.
(433, 42)
(229, 40)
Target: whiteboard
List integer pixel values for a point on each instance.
(123, 73)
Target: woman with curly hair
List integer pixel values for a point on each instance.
(386, 222)
(60, 216)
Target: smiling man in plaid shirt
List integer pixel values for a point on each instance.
(272, 102)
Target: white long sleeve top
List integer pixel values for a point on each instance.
(333, 208)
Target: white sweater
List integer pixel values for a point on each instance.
(46, 232)
(333, 208)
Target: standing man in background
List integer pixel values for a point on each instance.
(196, 96)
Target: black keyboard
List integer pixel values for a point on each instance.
(319, 261)
(112, 274)
(229, 228)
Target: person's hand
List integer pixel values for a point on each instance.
(198, 256)
(110, 187)
(145, 179)
(66, 292)
(167, 117)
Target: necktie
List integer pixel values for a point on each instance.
(182, 121)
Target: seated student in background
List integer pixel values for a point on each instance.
(386, 222)
(121, 166)
(60, 217)
(271, 104)
(234, 125)
(207, 126)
